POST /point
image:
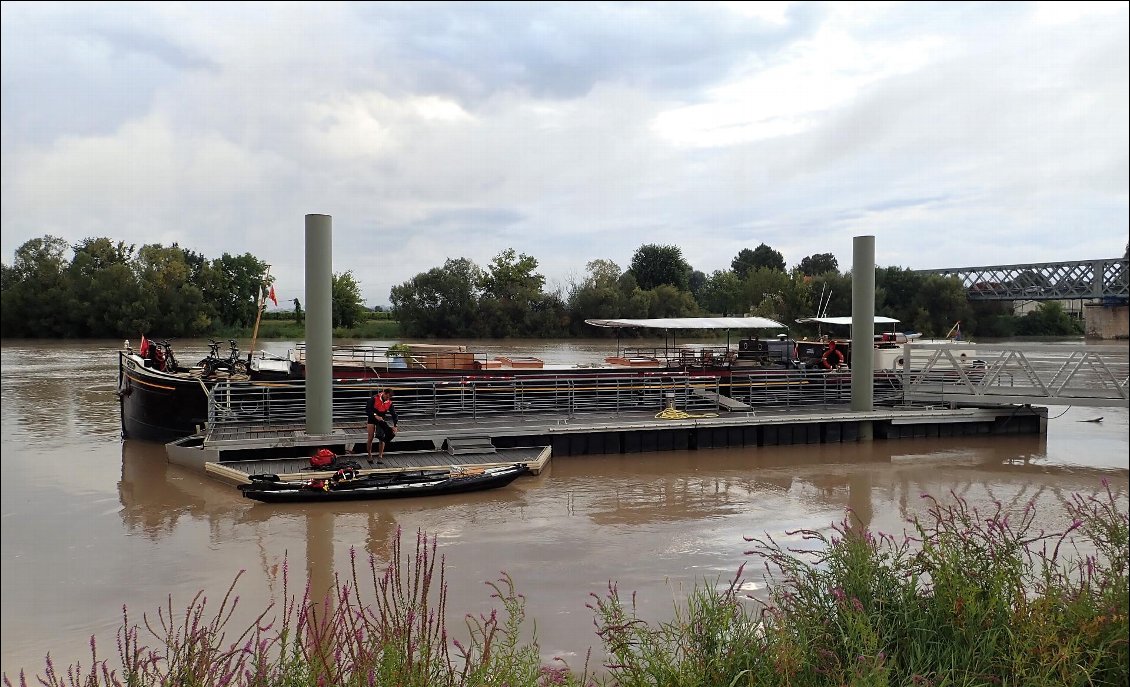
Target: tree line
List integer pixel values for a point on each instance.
(508, 298)
(99, 288)
(107, 289)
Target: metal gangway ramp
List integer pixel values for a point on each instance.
(1032, 374)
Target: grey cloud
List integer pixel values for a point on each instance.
(1010, 137)
(561, 50)
(78, 74)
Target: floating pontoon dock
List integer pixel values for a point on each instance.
(475, 423)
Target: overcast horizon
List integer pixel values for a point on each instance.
(956, 134)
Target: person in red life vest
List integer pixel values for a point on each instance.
(833, 357)
(381, 421)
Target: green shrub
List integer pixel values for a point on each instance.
(963, 598)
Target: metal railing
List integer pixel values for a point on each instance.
(1106, 278)
(1033, 374)
(809, 388)
(1049, 375)
(432, 399)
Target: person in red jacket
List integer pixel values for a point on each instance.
(381, 422)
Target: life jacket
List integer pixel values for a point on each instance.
(381, 406)
(322, 458)
(832, 352)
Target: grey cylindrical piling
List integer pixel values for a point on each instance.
(863, 323)
(319, 324)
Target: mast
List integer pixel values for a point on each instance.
(261, 306)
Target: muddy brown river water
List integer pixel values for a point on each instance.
(91, 523)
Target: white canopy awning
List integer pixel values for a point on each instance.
(693, 323)
(879, 319)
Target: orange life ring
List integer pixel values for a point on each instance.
(831, 350)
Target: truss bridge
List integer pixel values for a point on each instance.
(1107, 280)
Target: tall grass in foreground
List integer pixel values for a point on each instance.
(962, 598)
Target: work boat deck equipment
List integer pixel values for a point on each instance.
(888, 348)
(755, 350)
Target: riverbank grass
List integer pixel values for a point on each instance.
(291, 329)
(961, 598)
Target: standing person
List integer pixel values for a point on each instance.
(380, 412)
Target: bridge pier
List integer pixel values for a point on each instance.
(1106, 321)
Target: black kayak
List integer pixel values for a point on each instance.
(347, 485)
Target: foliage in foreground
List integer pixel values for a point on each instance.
(963, 598)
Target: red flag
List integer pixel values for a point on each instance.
(143, 349)
(271, 295)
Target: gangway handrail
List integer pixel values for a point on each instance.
(1048, 374)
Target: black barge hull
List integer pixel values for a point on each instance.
(157, 406)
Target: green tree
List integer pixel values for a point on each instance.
(37, 296)
(603, 273)
(696, 283)
(441, 302)
(1049, 319)
(655, 265)
(742, 264)
(8, 278)
(819, 263)
(941, 302)
(110, 289)
(763, 256)
(104, 289)
(235, 283)
(345, 296)
(722, 293)
(831, 295)
(600, 296)
(762, 284)
(779, 296)
(511, 291)
(637, 303)
(668, 301)
(298, 311)
(512, 277)
(991, 319)
(169, 304)
(547, 316)
(930, 304)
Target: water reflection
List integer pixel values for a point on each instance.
(92, 523)
(156, 495)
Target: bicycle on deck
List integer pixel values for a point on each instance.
(233, 364)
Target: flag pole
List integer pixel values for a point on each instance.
(261, 306)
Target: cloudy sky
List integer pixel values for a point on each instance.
(955, 134)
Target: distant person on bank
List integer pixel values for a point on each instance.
(382, 423)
